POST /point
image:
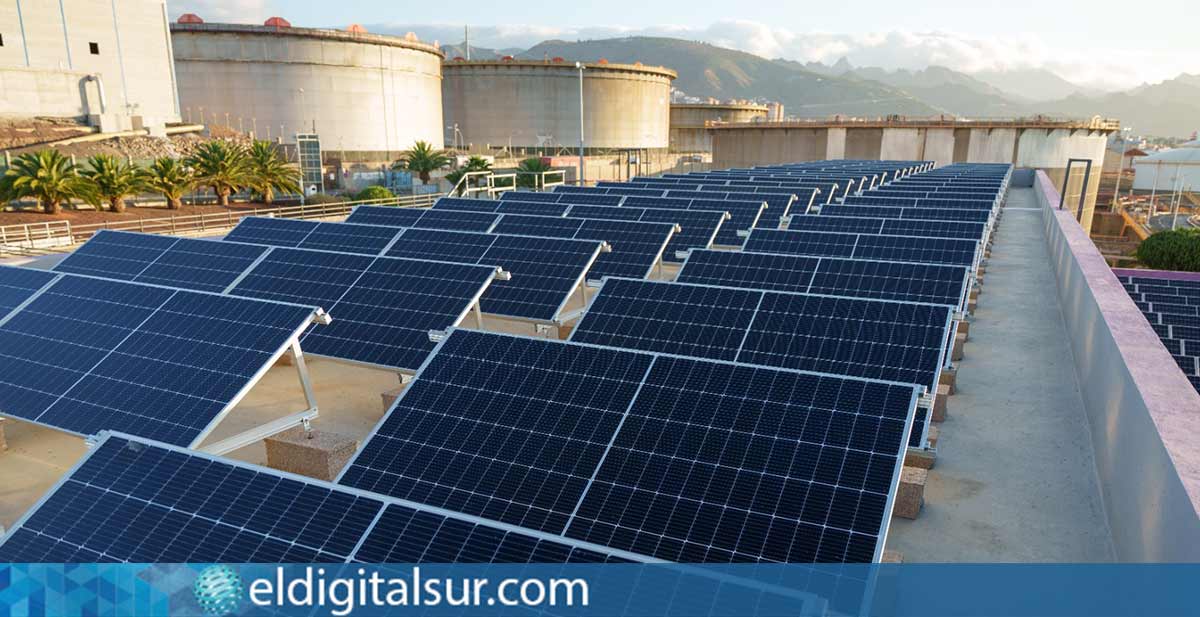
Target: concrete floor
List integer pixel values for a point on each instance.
(1015, 480)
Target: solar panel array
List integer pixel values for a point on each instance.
(85, 354)
(1172, 306)
(757, 409)
(384, 308)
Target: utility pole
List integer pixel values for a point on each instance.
(581, 67)
(467, 40)
(1120, 166)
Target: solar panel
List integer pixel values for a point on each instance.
(633, 451)
(422, 218)
(136, 501)
(512, 206)
(545, 271)
(635, 247)
(293, 233)
(907, 282)
(887, 340)
(864, 246)
(743, 215)
(697, 228)
(200, 265)
(888, 227)
(939, 214)
(529, 196)
(18, 285)
(383, 308)
(88, 354)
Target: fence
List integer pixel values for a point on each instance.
(57, 236)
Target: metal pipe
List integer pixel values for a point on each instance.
(99, 88)
(24, 41)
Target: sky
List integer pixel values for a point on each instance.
(1099, 43)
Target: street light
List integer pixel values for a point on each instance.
(580, 67)
(1120, 165)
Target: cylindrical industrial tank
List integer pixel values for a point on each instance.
(687, 122)
(366, 95)
(532, 104)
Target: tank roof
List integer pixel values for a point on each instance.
(1105, 125)
(312, 33)
(661, 71)
(739, 106)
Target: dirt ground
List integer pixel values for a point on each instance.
(87, 217)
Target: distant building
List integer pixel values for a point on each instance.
(108, 63)
(1169, 170)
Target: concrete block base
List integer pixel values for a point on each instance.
(938, 414)
(318, 454)
(960, 341)
(921, 459)
(911, 495)
(974, 295)
(971, 305)
(949, 378)
(933, 435)
(286, 360)
(389, 397)
(892, 557)
(964, 328)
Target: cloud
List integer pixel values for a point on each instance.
(1115, 69)
(224, 11)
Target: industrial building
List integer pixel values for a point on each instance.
(1037, 143)
(688, 122)
(106, 63)
(1177, 169)
(367, 96)
(535, 104)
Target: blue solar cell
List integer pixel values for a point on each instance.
(88, 355)
(628, 450)
(843, 224)
(115, 254)
(743, 215)
(18, 285)
(385, 215)
(933, 229)
(529, 196)
(441, 245)
(509, 206)
(813, 243)
(291, 233)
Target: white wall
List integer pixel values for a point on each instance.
(1166, 176)
(44, 59)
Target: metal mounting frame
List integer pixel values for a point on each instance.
(1087, 174)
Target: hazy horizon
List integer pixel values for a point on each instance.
(1082, 47)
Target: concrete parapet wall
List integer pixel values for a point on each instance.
(1144, 415)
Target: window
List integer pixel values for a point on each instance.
(94, 48)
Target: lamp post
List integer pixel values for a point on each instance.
(1120, 165)
(580, 67)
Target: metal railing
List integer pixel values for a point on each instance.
(32, 239)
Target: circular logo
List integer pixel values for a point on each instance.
(218, 590)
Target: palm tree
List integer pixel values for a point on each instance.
(532, 169)
(270, 172)
(475, 163)
(222, 165)
(170, 177)
(114, 179)
(47, 176)
(423, 159)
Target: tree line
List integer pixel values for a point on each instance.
(227, 167)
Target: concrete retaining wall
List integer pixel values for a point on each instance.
(1144, 415)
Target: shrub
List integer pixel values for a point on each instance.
(322, 198)
(1177, 249)
(373, 192)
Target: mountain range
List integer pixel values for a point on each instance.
(1169, 108)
